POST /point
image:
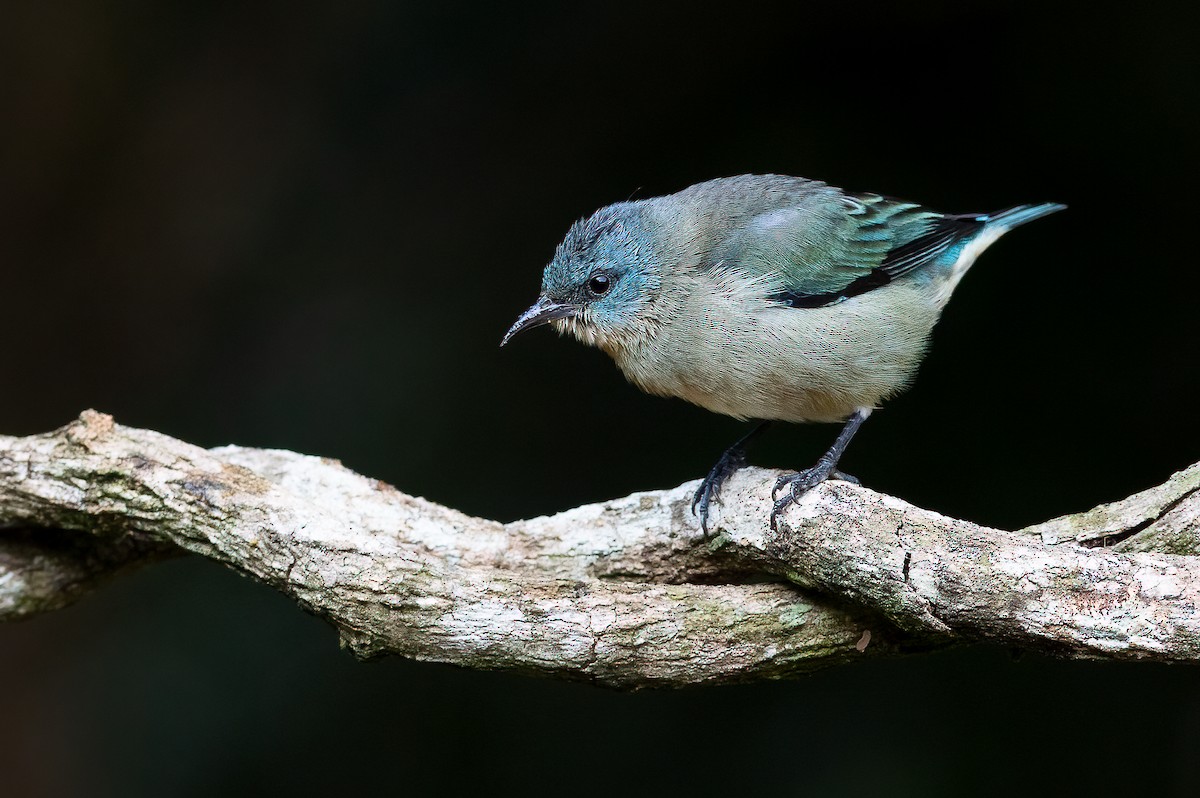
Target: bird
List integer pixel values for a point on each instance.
(765, 297)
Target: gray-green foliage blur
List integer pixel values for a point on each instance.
(307, 225)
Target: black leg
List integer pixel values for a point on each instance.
(826, 468)
(710, 489)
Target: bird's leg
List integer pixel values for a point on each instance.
(733, 458)
(826, 468)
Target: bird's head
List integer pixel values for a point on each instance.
(602, 283)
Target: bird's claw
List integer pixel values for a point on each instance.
(703, 497)
(802, 482)
(710, 489)
(730, 461)
(844, 477)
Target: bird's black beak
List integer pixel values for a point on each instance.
(543, 312)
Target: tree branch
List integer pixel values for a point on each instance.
(628, 593)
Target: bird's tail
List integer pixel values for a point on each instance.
(987, 228)
(1019, 215)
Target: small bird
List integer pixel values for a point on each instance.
(765, 297)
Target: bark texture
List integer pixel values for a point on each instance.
(628, 593)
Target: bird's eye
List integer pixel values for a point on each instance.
(598, 284)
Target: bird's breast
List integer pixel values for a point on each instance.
(748, 358)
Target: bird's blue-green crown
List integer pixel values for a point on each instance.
(605, 269)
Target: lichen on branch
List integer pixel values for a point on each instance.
(629, 593)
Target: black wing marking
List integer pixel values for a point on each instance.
(943, 235)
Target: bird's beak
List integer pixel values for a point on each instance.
(543, 312)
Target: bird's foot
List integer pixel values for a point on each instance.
(802, 482)
(731, 460)
(710, 489)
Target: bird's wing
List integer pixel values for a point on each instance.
(827, 246)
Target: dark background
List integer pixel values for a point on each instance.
(307, 226)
